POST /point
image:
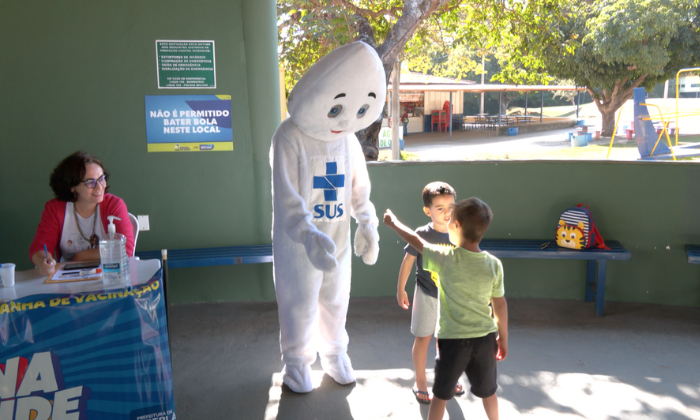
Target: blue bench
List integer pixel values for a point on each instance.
(530, 248)
(204, 257)
(693, 252)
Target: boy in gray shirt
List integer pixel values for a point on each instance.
(437, 199)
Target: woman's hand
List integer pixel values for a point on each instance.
(45, 264)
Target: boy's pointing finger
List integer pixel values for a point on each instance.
(388, 217)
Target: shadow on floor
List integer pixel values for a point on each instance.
(639, 361)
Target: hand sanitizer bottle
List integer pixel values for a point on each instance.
(115, 263)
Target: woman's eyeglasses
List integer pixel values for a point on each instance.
(91, 183)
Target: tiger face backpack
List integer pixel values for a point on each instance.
(576, 229)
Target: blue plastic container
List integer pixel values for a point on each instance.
(512, 131)
(580, 140)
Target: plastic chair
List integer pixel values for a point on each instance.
(443, 121)
(135, 225)
(434, 119)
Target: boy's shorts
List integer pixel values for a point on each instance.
(474, 356)
(424, 313)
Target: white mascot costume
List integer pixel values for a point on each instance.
(319, 179)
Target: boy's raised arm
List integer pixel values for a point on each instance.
(404, 232)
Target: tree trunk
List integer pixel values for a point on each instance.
(369, 140)
(608, 122)
(505, 102)
(613, 102)
(609, 102)
(414, 12)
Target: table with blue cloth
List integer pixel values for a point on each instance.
(80, 350)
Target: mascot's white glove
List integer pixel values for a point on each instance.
(367, 243)
(320, 249)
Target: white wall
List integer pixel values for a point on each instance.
(434, 100)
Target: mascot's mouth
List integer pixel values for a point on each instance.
(336, 132)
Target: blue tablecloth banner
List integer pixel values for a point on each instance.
(101, 355)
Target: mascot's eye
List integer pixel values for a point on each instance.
(573, 235)
(362, 111)
(563, 234)
(335, 111)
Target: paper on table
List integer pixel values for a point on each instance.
(66, 276)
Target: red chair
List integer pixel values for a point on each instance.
(434, 119)
(443, 121)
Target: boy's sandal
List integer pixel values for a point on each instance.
(459, 389)
(418, 393)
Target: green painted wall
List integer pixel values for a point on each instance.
(646, 206)
(73, 75)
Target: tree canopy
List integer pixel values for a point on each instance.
(624, 44)
(443, 36)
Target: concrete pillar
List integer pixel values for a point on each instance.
(262, 73)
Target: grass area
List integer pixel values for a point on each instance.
(688, 139)
(627, 151)
(589, 110)
(585, 111)
(622, 150)
(385, 154)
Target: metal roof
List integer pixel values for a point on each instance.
(478, 88)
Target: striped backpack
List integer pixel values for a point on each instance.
(576, 229)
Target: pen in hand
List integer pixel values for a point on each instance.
(47, 259)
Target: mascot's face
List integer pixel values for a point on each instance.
(342, 93)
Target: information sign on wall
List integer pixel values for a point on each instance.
(189, 123)
(186, 64)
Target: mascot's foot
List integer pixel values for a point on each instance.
(297, 378)
(339, 368)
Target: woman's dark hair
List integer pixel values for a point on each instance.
(70, 172)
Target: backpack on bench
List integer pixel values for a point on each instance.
(576, 229)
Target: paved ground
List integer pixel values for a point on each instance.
(640, 361)
(553, 144)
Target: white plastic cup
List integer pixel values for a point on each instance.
(7, 272)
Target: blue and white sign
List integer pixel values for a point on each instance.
(189, 123)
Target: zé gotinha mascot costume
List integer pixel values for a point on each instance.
(319, 180)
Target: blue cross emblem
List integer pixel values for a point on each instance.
(330, 182)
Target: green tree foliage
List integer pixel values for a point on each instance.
(440, 34)
(624, 44)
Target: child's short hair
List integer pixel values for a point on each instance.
(435, 189)
(474, 216)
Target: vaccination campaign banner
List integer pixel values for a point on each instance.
(189, 123)
(86, 356)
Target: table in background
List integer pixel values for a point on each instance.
(86, 351)
(525, 119)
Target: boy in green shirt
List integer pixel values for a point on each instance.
(470, 340)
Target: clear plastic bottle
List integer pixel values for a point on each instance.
(115, 263)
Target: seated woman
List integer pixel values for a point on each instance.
(73, 223)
